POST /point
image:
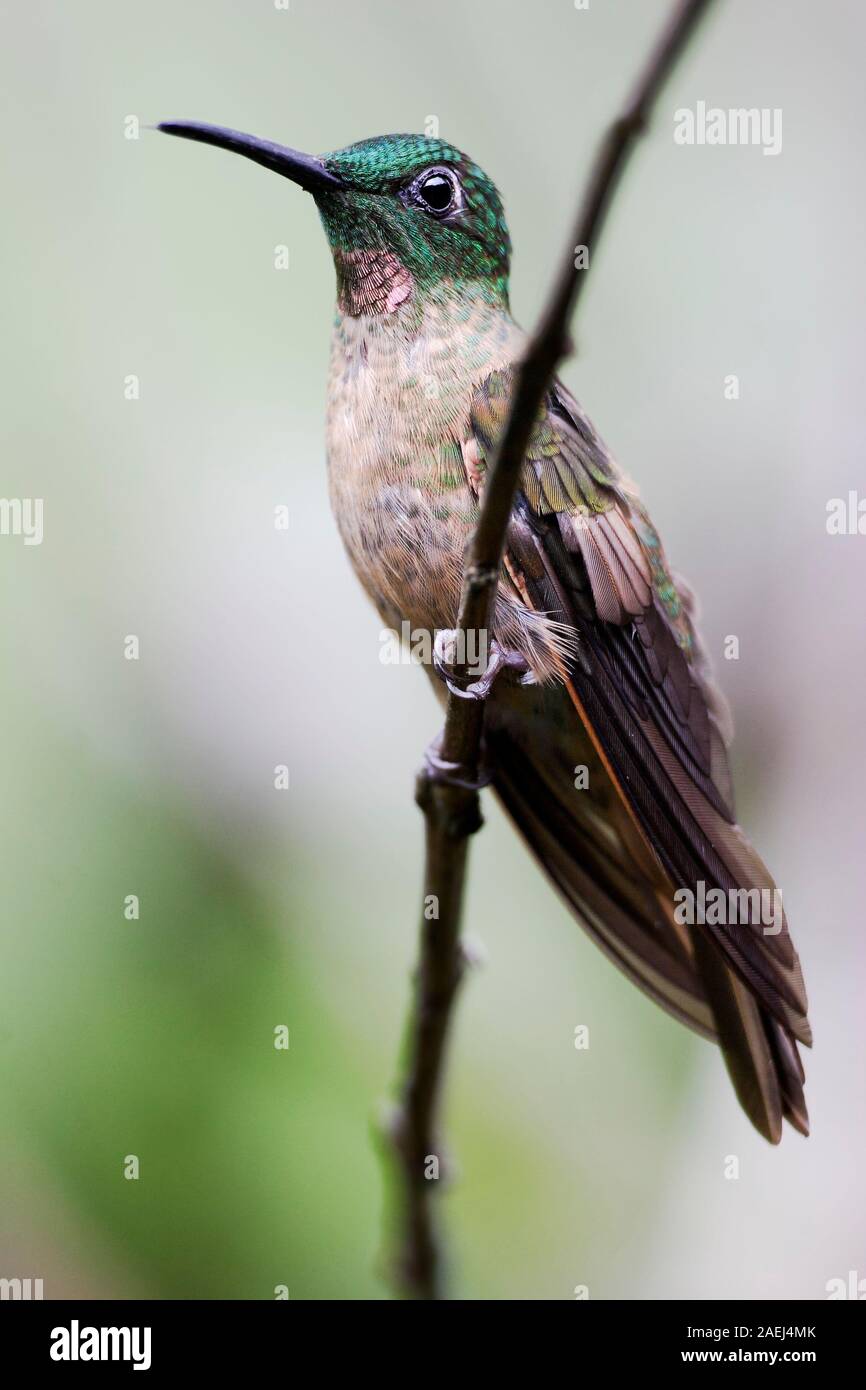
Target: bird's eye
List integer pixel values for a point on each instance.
(436, 192)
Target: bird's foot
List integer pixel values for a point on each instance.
(501, 659)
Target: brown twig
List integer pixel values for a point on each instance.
(452, 812)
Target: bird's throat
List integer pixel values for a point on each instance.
(371, 281)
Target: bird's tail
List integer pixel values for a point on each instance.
(588, 844)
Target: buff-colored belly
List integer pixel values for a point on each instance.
(398, 433)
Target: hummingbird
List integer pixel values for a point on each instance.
(606, 740)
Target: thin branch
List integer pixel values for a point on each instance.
(452, 812)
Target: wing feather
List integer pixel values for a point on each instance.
(582, 549)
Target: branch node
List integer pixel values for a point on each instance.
(480, 577)
(464, 818)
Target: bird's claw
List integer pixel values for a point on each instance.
(500, 659)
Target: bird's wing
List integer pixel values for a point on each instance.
(581, 548)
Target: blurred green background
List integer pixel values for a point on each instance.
(155, 777)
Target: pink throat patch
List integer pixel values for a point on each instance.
(371, 282)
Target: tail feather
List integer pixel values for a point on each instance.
(632, 939)
(791, 1075)
(621, 896)
(743, 1039)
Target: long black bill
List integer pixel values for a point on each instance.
(303, 169)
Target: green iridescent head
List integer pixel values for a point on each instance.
(423, 201)
(404, 201)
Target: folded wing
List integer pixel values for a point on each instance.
(582, 549)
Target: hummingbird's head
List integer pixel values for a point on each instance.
(421, 202)
(403, 214)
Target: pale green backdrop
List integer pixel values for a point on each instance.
(155, 258)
